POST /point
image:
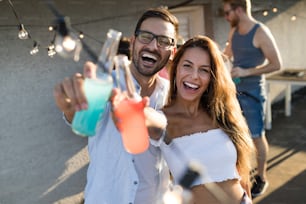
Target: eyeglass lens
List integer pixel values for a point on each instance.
(147, 37)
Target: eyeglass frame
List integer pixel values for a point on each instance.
(157, 37)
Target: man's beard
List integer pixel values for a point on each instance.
(148, 72)
(143, 72)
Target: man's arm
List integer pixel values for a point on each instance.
(265, 41)
(228, 47)
(156, 122)
(267, 44)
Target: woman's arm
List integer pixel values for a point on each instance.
(156, 122)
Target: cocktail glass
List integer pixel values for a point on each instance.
(97, 92)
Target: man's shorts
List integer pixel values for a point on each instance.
(252, 105)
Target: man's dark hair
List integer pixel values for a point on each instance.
(244, 4)
(161, 13)
(124, 47)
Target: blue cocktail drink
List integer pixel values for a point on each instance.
(98, 89)
(97, 92)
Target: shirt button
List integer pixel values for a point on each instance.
(135, 182)
(133, 160)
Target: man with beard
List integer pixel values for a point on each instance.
(114, 175)
(250, 44)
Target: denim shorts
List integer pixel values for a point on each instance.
(252, 105)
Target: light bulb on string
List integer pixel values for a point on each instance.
(51, 50)
(181, 193)
(35, 48)
(23, 33)
(274, 10)
(174, 196)
(81, 35)
(67, 43)
(51, 46)
(178, 195)
(51, 28)
(265, 13)
(293, 18)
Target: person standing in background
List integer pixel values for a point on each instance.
(254, 52)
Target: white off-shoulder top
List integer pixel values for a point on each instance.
(213, 150)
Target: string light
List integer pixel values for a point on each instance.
(275, 10)
(174, 195)
(51, 28)
(51, 46)
(181, 193)
(81, 35)
(23, 34)
(265, 13)
(293, 18)
(35, 49)
(67, 43)
(51, 50)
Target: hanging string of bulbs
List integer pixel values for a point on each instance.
(24, 34)
(74, 37)
(66, 41)
(293, 17)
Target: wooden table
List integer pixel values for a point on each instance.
(287, 77)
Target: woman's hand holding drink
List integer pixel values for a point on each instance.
(130, 114)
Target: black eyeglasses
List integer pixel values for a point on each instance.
(226, 13)
(146, 37)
